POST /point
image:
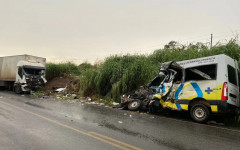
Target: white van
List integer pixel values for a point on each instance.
(201, 86)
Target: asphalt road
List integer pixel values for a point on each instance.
(36, 124)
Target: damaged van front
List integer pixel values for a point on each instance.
(148, 97)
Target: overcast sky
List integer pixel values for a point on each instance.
(90, 30)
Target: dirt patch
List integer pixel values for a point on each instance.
(58, 82)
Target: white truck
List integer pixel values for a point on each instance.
(22, 73)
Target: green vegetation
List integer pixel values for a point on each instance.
(61, 69)
(121, 74)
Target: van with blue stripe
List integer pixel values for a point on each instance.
(201, 86)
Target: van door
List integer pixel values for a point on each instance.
(233, 87)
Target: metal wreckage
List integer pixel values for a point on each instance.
(200, 86)
(158, 93)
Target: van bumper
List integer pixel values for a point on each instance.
(223, 106)
(220, 106)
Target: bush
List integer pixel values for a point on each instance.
(61, 69)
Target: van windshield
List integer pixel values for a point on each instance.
(156, 81)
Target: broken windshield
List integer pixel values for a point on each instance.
(156, 81)
(33, 71)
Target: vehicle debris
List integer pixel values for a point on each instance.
(140, 99)
(60, 90)
(120, 122)
(115, 104)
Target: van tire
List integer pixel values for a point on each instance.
(200, 113)
(134, 105)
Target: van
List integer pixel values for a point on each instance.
(200, 86)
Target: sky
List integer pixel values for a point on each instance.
(91, 30)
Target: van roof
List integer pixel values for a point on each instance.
(204, 60)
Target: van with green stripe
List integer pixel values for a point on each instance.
(201, 86)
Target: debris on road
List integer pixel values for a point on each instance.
(120, 122)
(89, 99)
(139, 99)
(101, 104)
(115, 104)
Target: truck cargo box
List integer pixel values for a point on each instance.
(8, 65)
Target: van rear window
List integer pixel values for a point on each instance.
(207, 72)
(232, 76)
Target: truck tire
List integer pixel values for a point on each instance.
(134, 105)
(17, 89)
(200, 113)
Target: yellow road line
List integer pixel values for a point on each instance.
(66, 126)
(114, 140)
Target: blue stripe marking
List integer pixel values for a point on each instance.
(197, 89)
(163, 89)
(178, 106)
(178, 91)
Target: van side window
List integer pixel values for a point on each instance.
(207, 72)
(232, 78)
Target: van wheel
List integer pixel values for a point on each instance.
(134, 105)
(200, 113)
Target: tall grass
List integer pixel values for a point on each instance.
(61, 69)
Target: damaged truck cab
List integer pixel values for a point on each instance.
(29, 75)
(22, 73)
(201, 86)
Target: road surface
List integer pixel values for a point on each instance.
(37, 124)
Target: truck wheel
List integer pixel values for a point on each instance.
(18, 89)
(134, 105)
(200, 113)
